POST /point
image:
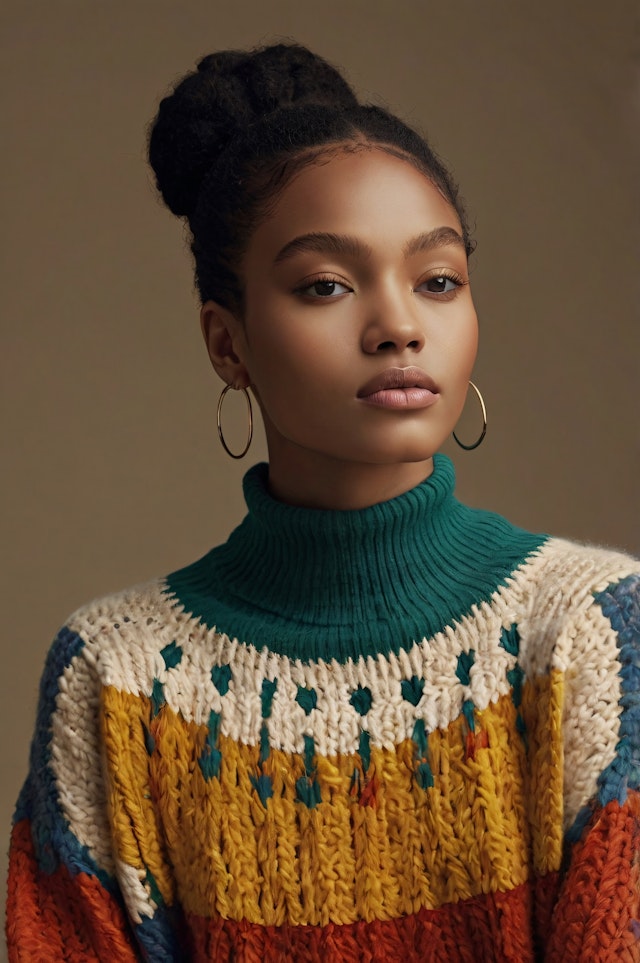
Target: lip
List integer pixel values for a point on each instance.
(400, 388)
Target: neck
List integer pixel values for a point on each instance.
(339, 584)
(310, 480)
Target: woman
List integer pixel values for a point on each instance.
(375, 724)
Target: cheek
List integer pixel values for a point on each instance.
(465, 344)
(296, 355)
(470, 350)
(453, 349)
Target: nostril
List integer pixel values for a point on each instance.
(385, 345)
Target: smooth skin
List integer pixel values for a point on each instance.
(324, 316)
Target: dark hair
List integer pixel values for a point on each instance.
(231, 135)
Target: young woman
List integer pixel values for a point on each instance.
(375, 724)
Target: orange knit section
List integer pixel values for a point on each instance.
(377, 846)
(60, 917)
(492, 927)
(545, 896)
(598, 912)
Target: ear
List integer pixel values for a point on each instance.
(224, 337)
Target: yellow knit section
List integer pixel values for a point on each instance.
(542, 700)
(377, 846)
(407, 808)
(137, 835)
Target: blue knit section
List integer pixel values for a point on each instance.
(620, 603)
(159, 938)
(54, 843)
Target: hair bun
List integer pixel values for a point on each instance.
(230, 90)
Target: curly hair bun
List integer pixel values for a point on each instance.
(229, 91)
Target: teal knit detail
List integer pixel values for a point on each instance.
(309, 753)
(172, 655)
(515, 678)
(361, 699)
(269, 687)
(263, 785)
(314, 584)
(465, 662)
(211, 757)
(364, 748)
(469, 712)
(221, 677)
(307, 786)
(308, 792)
(424, 776)
(265, 748)
(412, 689)
(157, 697)
(510, 639)
(307, 698)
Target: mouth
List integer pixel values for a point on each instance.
(400, 388)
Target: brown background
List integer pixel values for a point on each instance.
(112, 472)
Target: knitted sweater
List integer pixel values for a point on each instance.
(409, 732)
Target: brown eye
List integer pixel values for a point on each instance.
(324, 288)
(441, 284)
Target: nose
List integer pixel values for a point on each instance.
(392, 327)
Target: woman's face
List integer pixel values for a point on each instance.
(360, 333)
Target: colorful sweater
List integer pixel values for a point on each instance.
(407, 733)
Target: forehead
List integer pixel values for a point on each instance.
(367, 193)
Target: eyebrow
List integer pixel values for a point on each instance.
(344, 244)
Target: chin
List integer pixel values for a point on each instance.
(411, 451)
(405, 456)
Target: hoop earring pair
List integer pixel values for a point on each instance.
(484, 422)
(247, 397)
(249, 422)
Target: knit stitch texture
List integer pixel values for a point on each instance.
(410, 732)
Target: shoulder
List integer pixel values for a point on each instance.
(119, 639)
(564, 577)
(582, 593)
(593, 563)
(104, 616)
(571, 600)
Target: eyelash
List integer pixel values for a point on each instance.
(321, 279)
(447, 275)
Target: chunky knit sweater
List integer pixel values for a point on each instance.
(404, 733)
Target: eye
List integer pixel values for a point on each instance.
(324, 288)
(442, 284)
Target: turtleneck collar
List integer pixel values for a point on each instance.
(312, 583)
(295, 525)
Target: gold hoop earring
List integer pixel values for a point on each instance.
(250, 422)
(484, 419)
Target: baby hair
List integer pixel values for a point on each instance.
(233, 133)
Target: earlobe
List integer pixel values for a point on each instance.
(223, 336)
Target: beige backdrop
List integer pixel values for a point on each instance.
(112, 469)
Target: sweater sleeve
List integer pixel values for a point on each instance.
(66, 899)
(596, 913)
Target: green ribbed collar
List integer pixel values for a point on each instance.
(310, 583)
